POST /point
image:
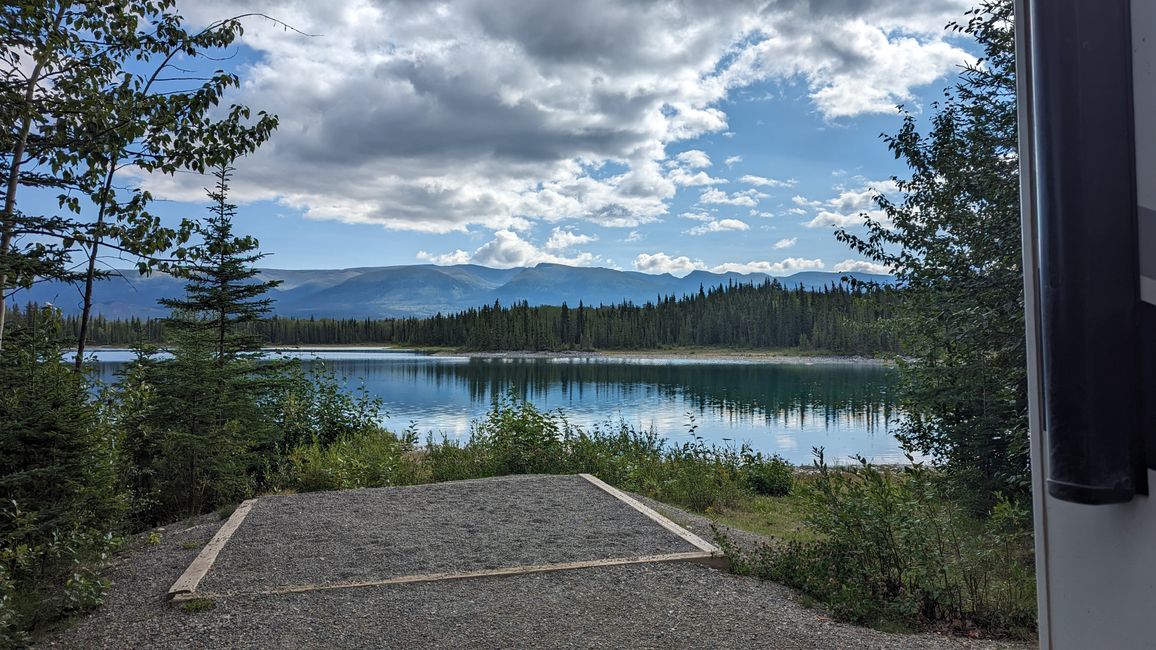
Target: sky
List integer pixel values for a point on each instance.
(660, 137)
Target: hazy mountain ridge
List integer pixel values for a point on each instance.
(422, 289)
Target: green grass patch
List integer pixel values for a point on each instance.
(197, 605)
(782, 517)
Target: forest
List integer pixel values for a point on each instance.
(835, 320)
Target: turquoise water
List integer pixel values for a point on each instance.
(778, 408)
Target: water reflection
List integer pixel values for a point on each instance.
(778, 408)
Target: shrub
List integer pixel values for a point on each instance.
(368, 458)
(772, 476)
(892, 550)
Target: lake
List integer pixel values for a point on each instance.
(776, 407)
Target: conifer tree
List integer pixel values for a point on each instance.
(205, 402)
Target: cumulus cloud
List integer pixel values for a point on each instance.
(862, 266)
(716, 196)
(786, 243)
(684, 178)
(662, 263)
(721, 225)
(563, 239)
(441, 116)
(849, 205)
(768, 182)
(732, 160)
(682, 265)
(458, 256)
(693, 159)
(784, 267)
(508, 250)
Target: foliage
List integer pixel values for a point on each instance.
(316, 407)
(193, 422)
(772, 476)
(517, 438)
(75, 127)
(221, 291)
(59, 502)
(891, 549)
(953, 242)
(370, 457)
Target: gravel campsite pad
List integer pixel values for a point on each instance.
(328, 538)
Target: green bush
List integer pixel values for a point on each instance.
(893, 551)
(59, 499)
(772, 476)
(367, 458)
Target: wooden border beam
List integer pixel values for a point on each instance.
(186, 585)
(685, 534)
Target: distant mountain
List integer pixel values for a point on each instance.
(422, 289)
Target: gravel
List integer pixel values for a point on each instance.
(665, 606)
(375, 534)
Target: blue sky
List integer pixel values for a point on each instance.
(659, 137)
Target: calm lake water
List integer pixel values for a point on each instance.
(778, 408)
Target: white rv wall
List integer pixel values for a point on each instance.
(1099, 562)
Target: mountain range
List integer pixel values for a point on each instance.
(420, 290)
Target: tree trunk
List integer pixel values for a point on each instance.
(14, 171)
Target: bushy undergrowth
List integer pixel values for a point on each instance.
(891, 550)
(517, 438)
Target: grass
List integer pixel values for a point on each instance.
(197, 605)
(779, 517)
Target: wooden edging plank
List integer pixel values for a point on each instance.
(692, 556)
(685, 534)
(186, 585)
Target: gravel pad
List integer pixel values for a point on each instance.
(377, 534)
(668, 606)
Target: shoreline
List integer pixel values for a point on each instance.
(706, 355)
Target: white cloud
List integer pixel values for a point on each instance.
(441, 116)
(563, 239)
(804, 202)
(716, 196)
(847, 208)
(861, 266)
(768, 182)
(784, 267)
(683, 178)
(682, 265)
(662, 263)
(693, 159)
(697, 216)
(633, 237)
(459, 256)
(731, 160)
(722, 225)
(786, 243)
(508, 250)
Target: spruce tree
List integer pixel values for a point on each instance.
(203, 419)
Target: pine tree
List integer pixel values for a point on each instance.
(204, 403)
(222, 290)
